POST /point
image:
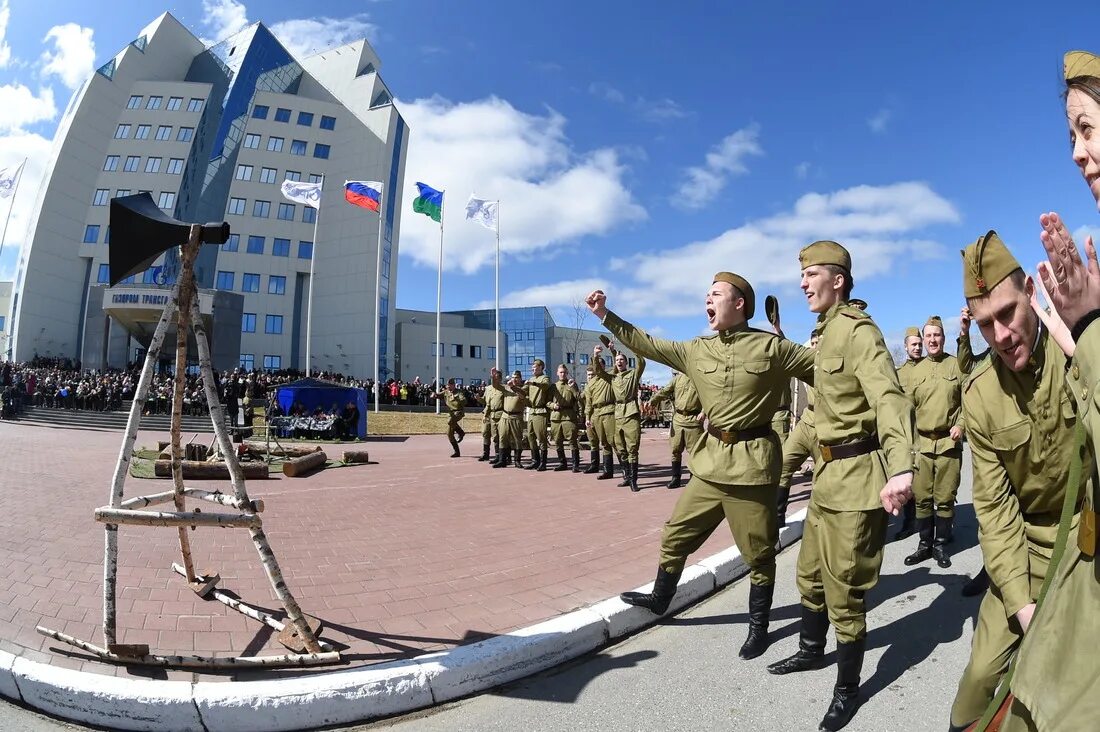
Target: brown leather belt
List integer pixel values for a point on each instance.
(935, 434)
(732, 437)
(687, 412)
(514, 414)
(540, 411)
(848, 449)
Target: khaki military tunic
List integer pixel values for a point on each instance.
(1020, 428)
(539, 393)
(564, 408)
(456, 410)
(935, 388)
(781, 420)
(599, 407)
(490, 417)
(628, 419)
(511, 419)
(686, 428)
(857, 395)
(740, 375)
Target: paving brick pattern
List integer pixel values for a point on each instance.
(415, 553)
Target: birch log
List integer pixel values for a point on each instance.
(183, 519)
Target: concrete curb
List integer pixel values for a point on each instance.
(355, 695)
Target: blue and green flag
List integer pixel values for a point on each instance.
(429, 202)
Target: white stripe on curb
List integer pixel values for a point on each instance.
(361, 694)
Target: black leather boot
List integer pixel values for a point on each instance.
(544, 456)
(576, 461)
(677, 472)
(484, 453)
(976, 586)
(924, 548)
(782, 499)
(908, 521)
(943, 535)
(632, 475)
(657, 601)
(594, 466)
(624, 467)
(534, 464)
(461, 433)
(849, 663)
(608, 467)
(456, 453)
(562, 465)
(811, 645)
(502, 461)
(760, 608)
(496, 454)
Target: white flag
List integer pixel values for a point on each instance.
(482, 211)
(307, 194)
(8, 177)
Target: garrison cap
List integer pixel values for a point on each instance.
(911, 331)
(825, 252)
(935, 320)
(743, 285)
(986, 263)
(1081, 63)
(540, 362)
(858, 304)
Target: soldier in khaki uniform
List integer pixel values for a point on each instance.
(800, 444)
(539, 393)
(511, 421)
(490, 416)
(599, 412)
(864, 424)
(456, 409)
(564, 407)
(628, 419)
(586, 424)
(914, 352)
(1019, 421)
(687, 420)
(740, 374)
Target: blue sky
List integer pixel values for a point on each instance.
(643, 148)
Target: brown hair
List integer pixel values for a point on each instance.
(849, 283)
(1090, 85)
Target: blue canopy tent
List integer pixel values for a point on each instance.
(313, 393)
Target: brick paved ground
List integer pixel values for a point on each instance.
(416, 553)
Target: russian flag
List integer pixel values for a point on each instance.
(365, 193)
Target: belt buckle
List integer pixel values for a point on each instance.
(826, 453)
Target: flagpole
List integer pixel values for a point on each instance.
(439, 300)
(309, 304)
(378, 306)
(496, 334)
(14, 193)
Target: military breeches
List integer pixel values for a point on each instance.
(683, 438)
(604, 424)
(628, 437)
(536, 431)
(593, 440)
(749, 511)
(565, 431)
(453, 426)
(838, 562)
(800, 444)
(995, 640)
(936, 483)
(490, 429)
(511, 431)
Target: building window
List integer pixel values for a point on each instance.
(236, 206)
(122, 192)
(328, 123)
(232, 243)
(517, 360)
(152, 165)
(530, 335)
(261, 209)
(570, 358)
(305, 119)
(273, 363)
(260, 111)
(194, 105)
(276, 285)
(185, 134)
(309, 214)
(297, 147)
(274, 144)
(252, 142)
(305, 250)
(174, 103)
(167, 200)
(102, 195)
(122, 132)
(280, 248)
(164, 132)
(517, 336)
(142, 132)
(314, 178)
(111, 163)
(286, 212)
(293, 175)
(584, 359)
(491, 353)
(255, 245)
(456, 350)
(475, 351)
(244, 172)
(321, 151)
(282, 115)
(273, 325)
(175, 166)
(134, 103)
(268, 175)
(154, 102)
(91, 234)
(248, 322)
(434, 344)
(248, 361)
(225, 280)
(630, 362)
(104, 271)
(107, 235)
(250, 282)
(132, 163)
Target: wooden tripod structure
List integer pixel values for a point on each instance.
(300, 633)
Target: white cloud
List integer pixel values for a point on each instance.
(223, 18)
(802, 170)
(705, 182)
(879, 121)
(14, 146)
(307, 36)
(606, 92)
(1079, 236)
(20, 107)
(5, 47)
(661, 110)
(555, 295)
(550, 194)
(73, 57)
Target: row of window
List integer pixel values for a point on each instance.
(273, 324)
(250, 282)
(271, 175)
(305, 119)
(155, 102)
(297, 147)
(163, 133)
(272, 363)
(133, 164)
(457, 350)
(262, 210)
(280, 247)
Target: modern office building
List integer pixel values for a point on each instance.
(211, 133)
(5, 308)
(468, 342)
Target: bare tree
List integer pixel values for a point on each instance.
(577, 319)
(897, 352)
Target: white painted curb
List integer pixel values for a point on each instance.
(361, 694)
